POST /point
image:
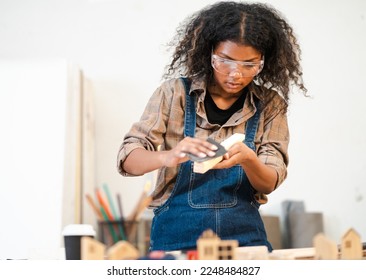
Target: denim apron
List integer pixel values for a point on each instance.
(220, 199)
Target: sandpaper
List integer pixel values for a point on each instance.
(219, 152)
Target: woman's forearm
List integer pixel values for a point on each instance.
(262, 177)
(141, 161)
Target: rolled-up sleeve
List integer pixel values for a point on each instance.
(273, 147)
(147, 132)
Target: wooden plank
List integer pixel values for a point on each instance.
(295, 253)
(72, 164)
(88, 179)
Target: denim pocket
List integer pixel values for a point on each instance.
(217, 188)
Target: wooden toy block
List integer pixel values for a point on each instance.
(227, 250)
(325, 249)
(351, 246)
(91, 249)
(207, 245)
(211, 247)
(293, 254)
(252, 253)
(192, 255)
(122, 250)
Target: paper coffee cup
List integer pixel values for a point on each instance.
(72, 236)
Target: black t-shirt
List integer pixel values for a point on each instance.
(216, 115)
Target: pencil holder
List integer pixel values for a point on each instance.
(135, 232)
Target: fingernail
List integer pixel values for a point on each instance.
(211, 153)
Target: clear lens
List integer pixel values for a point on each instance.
(227, 66)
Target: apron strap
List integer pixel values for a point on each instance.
(252, 126)
(190, 114)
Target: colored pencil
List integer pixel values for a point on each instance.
(104, 204)
(121, 218)
(94, 207)
(109, 197)
(111, 204)
(111, 229)
(119, 201)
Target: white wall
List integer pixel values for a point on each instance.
(119, 45)
(33, 122)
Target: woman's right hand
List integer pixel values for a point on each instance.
(179, 154)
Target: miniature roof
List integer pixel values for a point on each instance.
(209, 234)
(351, 233)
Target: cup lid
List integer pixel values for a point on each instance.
(78, 229)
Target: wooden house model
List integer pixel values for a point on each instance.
(351, 246)
(211, 247)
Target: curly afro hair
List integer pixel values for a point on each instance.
(257, 25)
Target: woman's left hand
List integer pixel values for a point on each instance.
(239, 153)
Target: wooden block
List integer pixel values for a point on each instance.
(207, 245)
(192, 255)
(351, 246)
(325, 249)
(293, 254)
(91, 249)
(252, 253)
(202, 167)
(122, 250)
(211, 247)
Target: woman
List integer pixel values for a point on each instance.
(231, 72)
